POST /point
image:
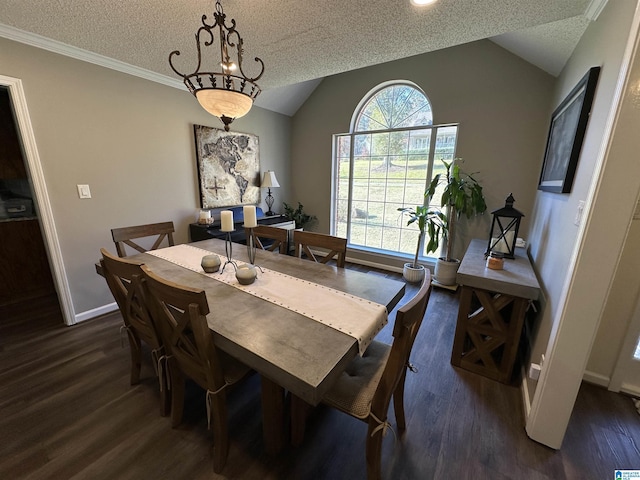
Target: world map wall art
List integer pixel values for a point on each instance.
(228, 167)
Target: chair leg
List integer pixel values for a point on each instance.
(177, 392)
(135, 348)
(165, 398)
(398, 402)
(374, 452)
(220, 431)
(299, 413)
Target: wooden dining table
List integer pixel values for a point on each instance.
(290, 351)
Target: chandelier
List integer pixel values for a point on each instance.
(229, 93)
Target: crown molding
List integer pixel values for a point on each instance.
(34, 40)
(594, 8)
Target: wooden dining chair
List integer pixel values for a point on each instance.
(123, 278)
(364, 390)
(333, 247)
(181, 314)
(279, 238)
(126, 236)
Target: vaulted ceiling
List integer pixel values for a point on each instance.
(299, 41)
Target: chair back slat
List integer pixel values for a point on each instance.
(126, 236)
(123, 277)
(279, 237)
(407, 323)
(181, 314)
(333, 248)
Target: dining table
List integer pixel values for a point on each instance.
(292, 351)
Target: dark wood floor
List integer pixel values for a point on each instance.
(68, 411)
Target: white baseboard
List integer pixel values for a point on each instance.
(590, 377)
(596, 378)
(96, 312)
(632, 390)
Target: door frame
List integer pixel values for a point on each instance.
(45, 213)
(625, 357)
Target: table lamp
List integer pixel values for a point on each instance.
(269, 181)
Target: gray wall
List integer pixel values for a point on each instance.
(132, 141)
(553, 235)
(501, 102)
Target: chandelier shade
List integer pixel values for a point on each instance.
(224, 103)
(222, 93)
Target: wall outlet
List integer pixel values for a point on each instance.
(534, 371)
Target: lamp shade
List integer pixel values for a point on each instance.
(269, 180)
(224, 103)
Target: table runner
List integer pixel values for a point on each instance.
(354, 316)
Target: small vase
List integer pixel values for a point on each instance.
(210, 263)
(246, 274)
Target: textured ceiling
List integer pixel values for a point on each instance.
(298, 40)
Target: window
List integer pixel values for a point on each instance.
(386, 163)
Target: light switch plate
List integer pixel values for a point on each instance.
(578, 220)
(84, 191)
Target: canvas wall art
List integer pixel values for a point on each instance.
(228, 167)
(566, 134)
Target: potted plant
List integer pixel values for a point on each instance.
(298, 215)
(429, 219)
(462, 195)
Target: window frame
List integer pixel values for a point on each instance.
(352, 134)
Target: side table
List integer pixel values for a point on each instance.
(492, 311)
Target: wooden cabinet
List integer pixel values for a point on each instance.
(24, 267)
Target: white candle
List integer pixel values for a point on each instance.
(504, 244)
(249, 212)
(205, 214)
(226, 221)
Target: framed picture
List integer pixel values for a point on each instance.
(228, 167)
(568, 125)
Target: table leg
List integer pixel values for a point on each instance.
(488, 333)
(272, 416)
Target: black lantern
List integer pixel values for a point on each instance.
(504, 229)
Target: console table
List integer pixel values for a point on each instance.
(199, 232)
(492, 311)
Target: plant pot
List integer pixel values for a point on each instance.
(445, 273)
(411, 274)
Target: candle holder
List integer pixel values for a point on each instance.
(251, 248)
(228, 250)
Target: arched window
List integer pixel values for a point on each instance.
(384, 163)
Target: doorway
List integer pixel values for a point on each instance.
(626, 374)
(41, 202)
(25, 275)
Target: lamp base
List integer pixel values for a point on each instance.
(269, 201)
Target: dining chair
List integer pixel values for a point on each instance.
(305, 241)
(181, 314)
(279, 238)
(126, 236)
(123, 278)
(364, 390)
